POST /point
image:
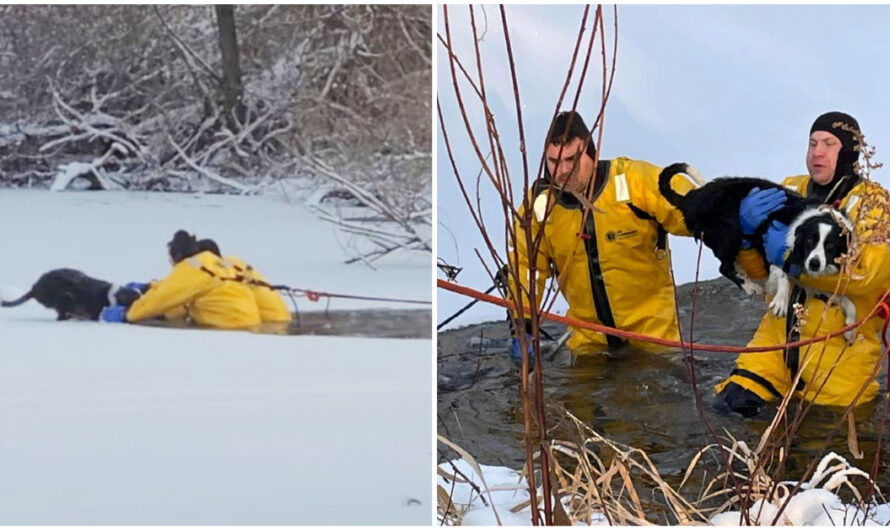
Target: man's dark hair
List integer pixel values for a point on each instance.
(183, 245)
(209, 245)
(566, 126)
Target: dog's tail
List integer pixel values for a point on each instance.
(18, 301)
(664, 180)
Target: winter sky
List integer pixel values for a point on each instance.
(731, 89)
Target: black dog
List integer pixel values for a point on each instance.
(711, 213)
(817, 234)
(73, 294)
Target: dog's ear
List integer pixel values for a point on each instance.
(798, 251)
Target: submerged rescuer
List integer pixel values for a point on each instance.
(272, 306)
(613, 266)
(831, 373)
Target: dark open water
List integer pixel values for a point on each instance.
(379, 323)
(641, 399)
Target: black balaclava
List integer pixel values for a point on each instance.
(846, 129)
(567, 126)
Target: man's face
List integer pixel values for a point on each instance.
(822, 156)
(569, 165)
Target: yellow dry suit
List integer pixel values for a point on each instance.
(208, 289)
(271, 305)
(614, 266)
(831, 373)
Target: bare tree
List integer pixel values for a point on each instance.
(178, 98)
(232, 90)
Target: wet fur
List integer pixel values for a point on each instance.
(73, 294)
(711, 212)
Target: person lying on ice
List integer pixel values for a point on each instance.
(273, 308)
(202, 283)
(831, 373)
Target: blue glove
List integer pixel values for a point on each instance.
(516, 353)
(138, 286)
(774, 243)
(757, 205)
(114, 313)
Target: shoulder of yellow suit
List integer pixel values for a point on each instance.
(207, 261)
(623, 164)
(636, 168)
(233, 260)
(797, 183)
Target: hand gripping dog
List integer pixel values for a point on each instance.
(817, 235)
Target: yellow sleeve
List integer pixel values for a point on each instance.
(177, 313)
(541, 260)
(658, 207)
(751, 260)
(177, 289)
(871, 273)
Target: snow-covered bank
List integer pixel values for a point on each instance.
(497, 491)
(123, 424)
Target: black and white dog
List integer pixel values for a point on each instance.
(817, 234)
(73, 294)
(818, 239)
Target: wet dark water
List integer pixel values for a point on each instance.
(378, 323)
(381, 323)
(642, 399)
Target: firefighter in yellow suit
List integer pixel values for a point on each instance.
(831, 373)
(614, 266)
(200, 282)
(272, 306)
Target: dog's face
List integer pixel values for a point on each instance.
(818, 239)
(125, 297)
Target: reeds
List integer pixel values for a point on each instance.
(596, 480)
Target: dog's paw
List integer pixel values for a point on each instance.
(751, 288)
(850, 335)
(778, 307)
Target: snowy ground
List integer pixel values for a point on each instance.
(124, 424)
(814, 505)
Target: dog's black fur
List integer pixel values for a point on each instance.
(711, 212)
(73, 294)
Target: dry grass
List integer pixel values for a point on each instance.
(595, 479)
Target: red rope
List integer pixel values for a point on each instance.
(466, 291)
(316, 295)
